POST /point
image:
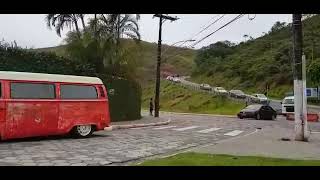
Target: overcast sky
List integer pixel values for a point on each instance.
(30, 29)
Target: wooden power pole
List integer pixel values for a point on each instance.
(157, 91)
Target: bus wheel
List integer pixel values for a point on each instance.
(83, 131)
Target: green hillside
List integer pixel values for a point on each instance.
(178, 99)
(253, 64)
(175, 60)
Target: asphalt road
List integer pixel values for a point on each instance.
(120, 147)
(126, 146)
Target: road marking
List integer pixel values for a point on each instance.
(233, 133)
(209, 130)
(165, 127)
(185, 128)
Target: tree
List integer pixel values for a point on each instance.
(120, 25)
(277, 26)
(314, 71)
(100, 43)
(306, 16)
(81, 16)
(59, 21)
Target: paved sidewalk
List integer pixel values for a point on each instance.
(266, 142)
(145, 119)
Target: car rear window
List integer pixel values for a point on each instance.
(253, 107)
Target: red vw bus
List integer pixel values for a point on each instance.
(36, 104)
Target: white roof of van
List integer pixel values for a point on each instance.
(10, 75)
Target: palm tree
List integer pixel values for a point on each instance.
(119, 25)
(59, 21)
(100, 42)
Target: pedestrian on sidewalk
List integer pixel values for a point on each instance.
(151, 106)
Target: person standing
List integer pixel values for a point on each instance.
(151, 106)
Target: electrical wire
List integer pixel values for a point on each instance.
(234, 19)
(205, 28)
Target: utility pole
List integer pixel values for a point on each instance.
(157, 91)
(300, 114)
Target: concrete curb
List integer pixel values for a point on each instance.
(196, 114)
(115, 127)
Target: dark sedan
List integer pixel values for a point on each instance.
(237, 94)
(258, 111)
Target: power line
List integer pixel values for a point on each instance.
(205, 28)
(209, 26)
(234, 19)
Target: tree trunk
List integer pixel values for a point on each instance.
(77, 29)
(82, 21)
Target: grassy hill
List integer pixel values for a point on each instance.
(180, 60)
(178, 99)
(253, 64)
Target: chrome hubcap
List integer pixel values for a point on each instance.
(84, 130)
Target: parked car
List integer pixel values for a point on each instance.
(287, 105)
(258, 111)
(220, 90)
(205, 87)
(261, 98)
(176, 80)
(237, 93)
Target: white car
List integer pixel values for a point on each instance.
(220, 90)
(287, 105)
(261, 98)
(169, 78)
(205, 87)
(176, 80)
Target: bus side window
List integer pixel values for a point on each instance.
(102, 94)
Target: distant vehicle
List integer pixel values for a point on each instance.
(237, 93)
(220, 90)
(205, 87)
(169, 78)
(261, 98)
(287, 105)
(176, 80)
(258, 111)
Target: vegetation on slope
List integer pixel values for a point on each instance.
(256, 63)
(178, 99)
